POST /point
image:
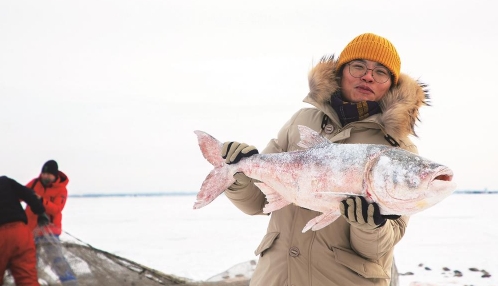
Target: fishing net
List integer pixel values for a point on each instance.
(91, 266)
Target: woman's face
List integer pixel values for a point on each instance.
(364, 87)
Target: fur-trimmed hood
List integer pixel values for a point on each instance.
(401, 100)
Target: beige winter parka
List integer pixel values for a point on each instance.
(338, 254)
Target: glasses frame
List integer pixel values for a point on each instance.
(366, 71)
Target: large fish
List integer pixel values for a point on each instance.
(324, 173)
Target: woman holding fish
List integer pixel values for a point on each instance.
(359, 97)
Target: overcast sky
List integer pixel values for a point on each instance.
(113, 90)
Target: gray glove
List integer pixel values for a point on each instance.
(359, 213)
(233, 151)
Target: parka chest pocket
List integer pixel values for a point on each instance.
(266, 243)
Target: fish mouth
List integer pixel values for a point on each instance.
(443, 174)
(442, 182)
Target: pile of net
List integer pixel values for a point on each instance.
(93, 266)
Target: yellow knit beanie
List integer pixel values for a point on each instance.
(371, 47)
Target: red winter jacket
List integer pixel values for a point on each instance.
(54, 198)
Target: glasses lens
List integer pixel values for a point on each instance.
(359, 69)
(380, 75)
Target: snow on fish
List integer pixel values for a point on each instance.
(323, 174)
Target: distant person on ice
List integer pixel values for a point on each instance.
(17, 247)
(50, 185)
(359, 97)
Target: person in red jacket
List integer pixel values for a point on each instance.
(17, 248)
(51, 185)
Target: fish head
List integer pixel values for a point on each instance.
(404, 183)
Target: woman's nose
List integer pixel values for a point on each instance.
(368, 76)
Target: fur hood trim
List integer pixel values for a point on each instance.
(404, 98)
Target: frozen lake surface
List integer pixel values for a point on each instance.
(165, 233)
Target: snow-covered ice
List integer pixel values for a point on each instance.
(165, 233)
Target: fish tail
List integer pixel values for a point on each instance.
(210, 148)
(220, 178)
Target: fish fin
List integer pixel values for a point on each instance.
(275, 200)
(310, 138)
(220, 178)
(322, 220)
(211, 187)
(210, 148)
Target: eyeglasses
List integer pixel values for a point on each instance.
(358, 69)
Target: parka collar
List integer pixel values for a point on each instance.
(401, 100)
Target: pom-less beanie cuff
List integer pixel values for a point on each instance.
(50, 167)
(371, 47)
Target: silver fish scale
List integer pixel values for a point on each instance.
(323, 169)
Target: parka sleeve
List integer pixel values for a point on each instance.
(374, 244)
(28, 196)
(54, 205)
(249, 198)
